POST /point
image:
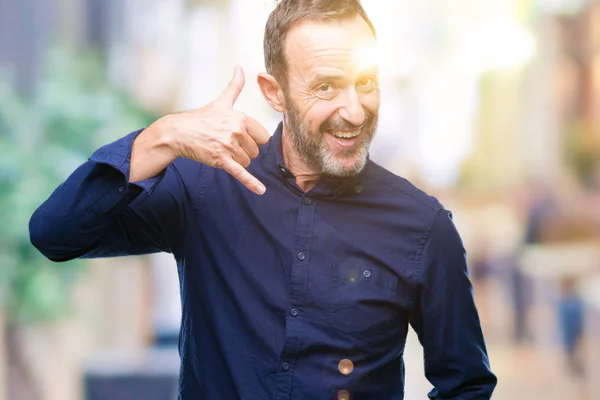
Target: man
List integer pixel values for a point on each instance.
(303, 286)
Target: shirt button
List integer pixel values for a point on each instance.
(285, 366)
(301, 256)
(367, 273)
(282, 170)
(121, 188)
(308, 201)
(294, 312)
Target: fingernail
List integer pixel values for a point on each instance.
(261, 189)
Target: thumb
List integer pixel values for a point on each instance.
(231, 93)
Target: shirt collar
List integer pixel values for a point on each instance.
(326, 185)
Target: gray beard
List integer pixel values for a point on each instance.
(315, 153)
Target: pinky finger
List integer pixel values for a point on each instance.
(245, 177)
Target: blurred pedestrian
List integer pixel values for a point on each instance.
(570, 317)
(540, 207)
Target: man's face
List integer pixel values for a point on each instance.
(332, 94)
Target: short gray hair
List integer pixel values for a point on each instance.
(289, 13)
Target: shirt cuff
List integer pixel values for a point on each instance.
(118, 156)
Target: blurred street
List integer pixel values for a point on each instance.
(491, 106)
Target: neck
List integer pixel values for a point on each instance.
(306, 177)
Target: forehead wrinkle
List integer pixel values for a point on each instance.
(323, 57)
(309, 42)
(330, 64)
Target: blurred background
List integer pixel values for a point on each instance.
(493, 106)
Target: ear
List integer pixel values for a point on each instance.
(272, 91)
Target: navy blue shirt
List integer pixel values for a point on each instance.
(289, 295)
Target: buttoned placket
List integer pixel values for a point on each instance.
(297, 296)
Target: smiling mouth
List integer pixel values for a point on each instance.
(345, 134)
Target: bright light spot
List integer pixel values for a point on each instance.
(343, 395)
(366, 57)
(499, 43)
(346, 366)
(451, 95)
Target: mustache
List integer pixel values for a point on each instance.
(340, 124)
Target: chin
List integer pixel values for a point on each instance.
(345, 168)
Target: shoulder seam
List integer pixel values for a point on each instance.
(406, 193)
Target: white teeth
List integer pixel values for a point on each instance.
(346, 135)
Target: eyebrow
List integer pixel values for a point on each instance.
(328, 77)
(370, 71)
(325, 77)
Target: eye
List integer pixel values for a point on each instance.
(325, 88)
(326, 91)
(368, 83)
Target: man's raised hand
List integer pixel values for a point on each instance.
(219, 136)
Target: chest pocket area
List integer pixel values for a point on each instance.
(362, 297)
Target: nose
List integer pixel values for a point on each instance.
(351, 109)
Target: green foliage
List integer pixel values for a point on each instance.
(42, 140)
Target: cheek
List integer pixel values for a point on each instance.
(320, 112)
(370, 102)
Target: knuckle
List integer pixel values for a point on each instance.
(230, 145)
(217, 156)
(217, 163)
(216, 152)
(262, 139)
(238, 172)
(237, 134)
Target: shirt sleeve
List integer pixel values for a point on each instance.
(446, 320)
(97, 212)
